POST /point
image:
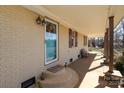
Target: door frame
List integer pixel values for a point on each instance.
(57, 39)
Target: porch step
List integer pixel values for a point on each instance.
(64, 78)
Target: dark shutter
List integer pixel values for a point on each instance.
(76, 39)
(70, 38)
(85, 40)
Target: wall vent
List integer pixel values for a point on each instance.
(28, 83)
(71, 60)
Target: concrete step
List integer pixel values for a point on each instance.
(61, 79)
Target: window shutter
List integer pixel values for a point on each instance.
(76, 39)
(70, 38)
(85, 40)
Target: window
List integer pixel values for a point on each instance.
(73, 38)
(51, 41)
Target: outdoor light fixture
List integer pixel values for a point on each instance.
(43, 22)
(40, 21)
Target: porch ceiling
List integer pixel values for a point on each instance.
(87, 19)
(90, 20)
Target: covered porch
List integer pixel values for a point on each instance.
(48, 39)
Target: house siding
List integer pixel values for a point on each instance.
(22, 46)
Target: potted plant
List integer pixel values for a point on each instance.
(39, 84)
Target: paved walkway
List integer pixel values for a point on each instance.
(89, 70)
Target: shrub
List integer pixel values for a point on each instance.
(120, 64)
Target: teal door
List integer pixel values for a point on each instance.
(51, 42)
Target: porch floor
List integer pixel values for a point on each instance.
(89, 69)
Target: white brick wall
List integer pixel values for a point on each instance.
(22, 46)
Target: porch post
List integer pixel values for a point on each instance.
(111, 27)
(106, 53)
(105, 45)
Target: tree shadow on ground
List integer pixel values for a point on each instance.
(98, 59)
(100, 86)
(95, 68)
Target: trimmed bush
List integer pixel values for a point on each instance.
(120, 64)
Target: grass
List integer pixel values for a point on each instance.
(96, 49)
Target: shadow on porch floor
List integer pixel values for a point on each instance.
(89, 69)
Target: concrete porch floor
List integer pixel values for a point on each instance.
(89, 69)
